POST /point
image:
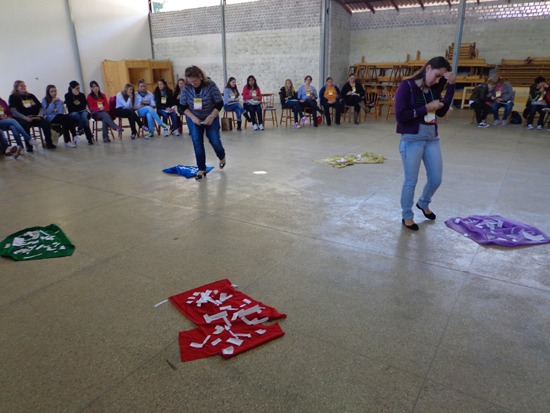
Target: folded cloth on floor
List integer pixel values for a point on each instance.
(497, 230)
(183, 170)
(36, 243)
(341, 161)
(229, 321)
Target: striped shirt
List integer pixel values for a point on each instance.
(201, 101)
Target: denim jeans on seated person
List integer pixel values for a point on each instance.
(213, 135)
(235, 107)
(507, 109)
(149, 113)
(16, 129)
(414, 148)
(172, 115)
(83, 124)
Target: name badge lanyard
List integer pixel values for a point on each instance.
(430, 117)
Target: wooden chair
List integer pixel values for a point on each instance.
(96, 129)
(268, 104)
(233, 115)
(347, 111)
(371, 100)
(36, 133)
(287, 116)
(390, 103)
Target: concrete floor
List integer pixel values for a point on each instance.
(380, 319)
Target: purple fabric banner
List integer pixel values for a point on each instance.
(497, 230)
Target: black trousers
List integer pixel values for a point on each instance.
(132, 117)
(481, 110)
(42, 124)
(338, 110)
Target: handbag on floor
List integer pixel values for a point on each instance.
(227, 124)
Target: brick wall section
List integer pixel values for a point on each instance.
(264, 15)
(442, 15)
(339, 43)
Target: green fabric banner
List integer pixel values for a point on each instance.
(36, 243)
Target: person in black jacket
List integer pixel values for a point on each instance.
(27, 110)
(481, 102)
(353, 94)
(289, 99)
(166, 106)
(77, 105)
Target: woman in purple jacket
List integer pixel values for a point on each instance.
(417, 103)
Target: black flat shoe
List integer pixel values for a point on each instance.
(413, 227)
(200, 175)
(431, 215)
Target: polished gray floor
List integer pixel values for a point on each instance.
(380, 319)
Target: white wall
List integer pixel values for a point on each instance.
(38, 42)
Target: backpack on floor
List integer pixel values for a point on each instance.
(516, 118)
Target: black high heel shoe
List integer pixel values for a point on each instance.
(200, 175)
(431, 215)
(413, 227)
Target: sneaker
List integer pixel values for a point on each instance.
(255, 127)
(133, 136)
(529, 127)
(261, 126)
(304, 121)
(77, 139)
(166, 133)
(297, 125)
(539, 127)
(504, 123)
(120, 130)
(149, 135)
(165, 126)
(33, 142)
(19, 152)
(496, 122)
(482, 125)
(70, 145)
(11, 150)
(175, 132)
(145, 129)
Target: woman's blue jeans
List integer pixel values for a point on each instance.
(149, 113)
(82, 119)
(16, 129)
(213, 135)
(414, 149)
(172, 115)
(235, 107)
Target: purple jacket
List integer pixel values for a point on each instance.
(408, 114)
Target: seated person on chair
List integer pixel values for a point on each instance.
(231, 101)
(353, 95)
(307, 95)
(289, 100)
(252, 97)
(330, 98)
(8, 124)
(27, 110)
(99, 106)
(504, 98)
(125, 108)
(54, 111)
(166, 106)
(77, 106)
(481, 102)
(144, 105)
(537, 102)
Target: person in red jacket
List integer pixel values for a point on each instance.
(99, 106)
(252, 97)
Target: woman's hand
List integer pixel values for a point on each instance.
(434, 105)
(209, 119)
(451, 77)
(195, 120)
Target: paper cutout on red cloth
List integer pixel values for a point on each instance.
(230, 322)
